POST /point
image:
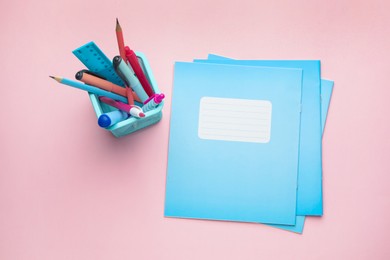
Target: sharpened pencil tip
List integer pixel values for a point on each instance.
(118, 26)
(56, 78)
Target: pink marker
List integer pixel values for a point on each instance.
(152, 102)
(133, 110)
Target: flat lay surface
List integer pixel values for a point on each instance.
(71, 190)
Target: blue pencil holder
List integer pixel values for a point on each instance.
(131, 124)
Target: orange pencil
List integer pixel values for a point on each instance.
(119, 38)
(89, 79)
(136, 98)
(130, 98)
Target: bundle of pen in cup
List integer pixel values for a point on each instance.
(123, 92)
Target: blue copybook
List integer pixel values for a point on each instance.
(326, 94)
(233, 143)
(326, 91)
(309, 194)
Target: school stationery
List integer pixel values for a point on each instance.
(310, 162)
(134, 63)
(132, 124)
(111, 118)
(119, 38)
(123, 70)
(100, 83)
(326, 93)
(90, 89)
(130, 97)
(101, 74)
(96, 61)
(135, 111)
(152, 102)
(326, 90)
(233, 143)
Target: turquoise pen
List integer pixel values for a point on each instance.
(89, 88)
(124, 72)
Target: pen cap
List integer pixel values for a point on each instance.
(158, 98)
(137, 111)
(79, 75)
(116, 61)
(110, 118)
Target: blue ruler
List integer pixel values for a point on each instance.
(96, 61)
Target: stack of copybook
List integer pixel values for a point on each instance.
(245, 141)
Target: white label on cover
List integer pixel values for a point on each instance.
(231, 119)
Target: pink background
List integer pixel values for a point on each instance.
(70, 190)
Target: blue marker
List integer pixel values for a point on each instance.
(108, 119)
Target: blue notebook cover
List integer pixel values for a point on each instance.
(233, 144)
(326, 92)
(310, 162)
